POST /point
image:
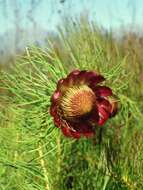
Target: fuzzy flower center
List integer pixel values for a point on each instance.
(77, 101)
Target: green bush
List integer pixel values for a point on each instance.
(34, 155)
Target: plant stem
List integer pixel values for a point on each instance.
(42, 162)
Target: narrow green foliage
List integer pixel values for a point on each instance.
(34, 155)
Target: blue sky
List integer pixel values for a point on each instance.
(33, 18)
(49, 13)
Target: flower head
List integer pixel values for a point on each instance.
(79, 104)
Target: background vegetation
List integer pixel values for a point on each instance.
(34, 155)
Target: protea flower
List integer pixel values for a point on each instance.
(79, 104)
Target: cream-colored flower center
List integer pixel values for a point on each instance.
(77, 101)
